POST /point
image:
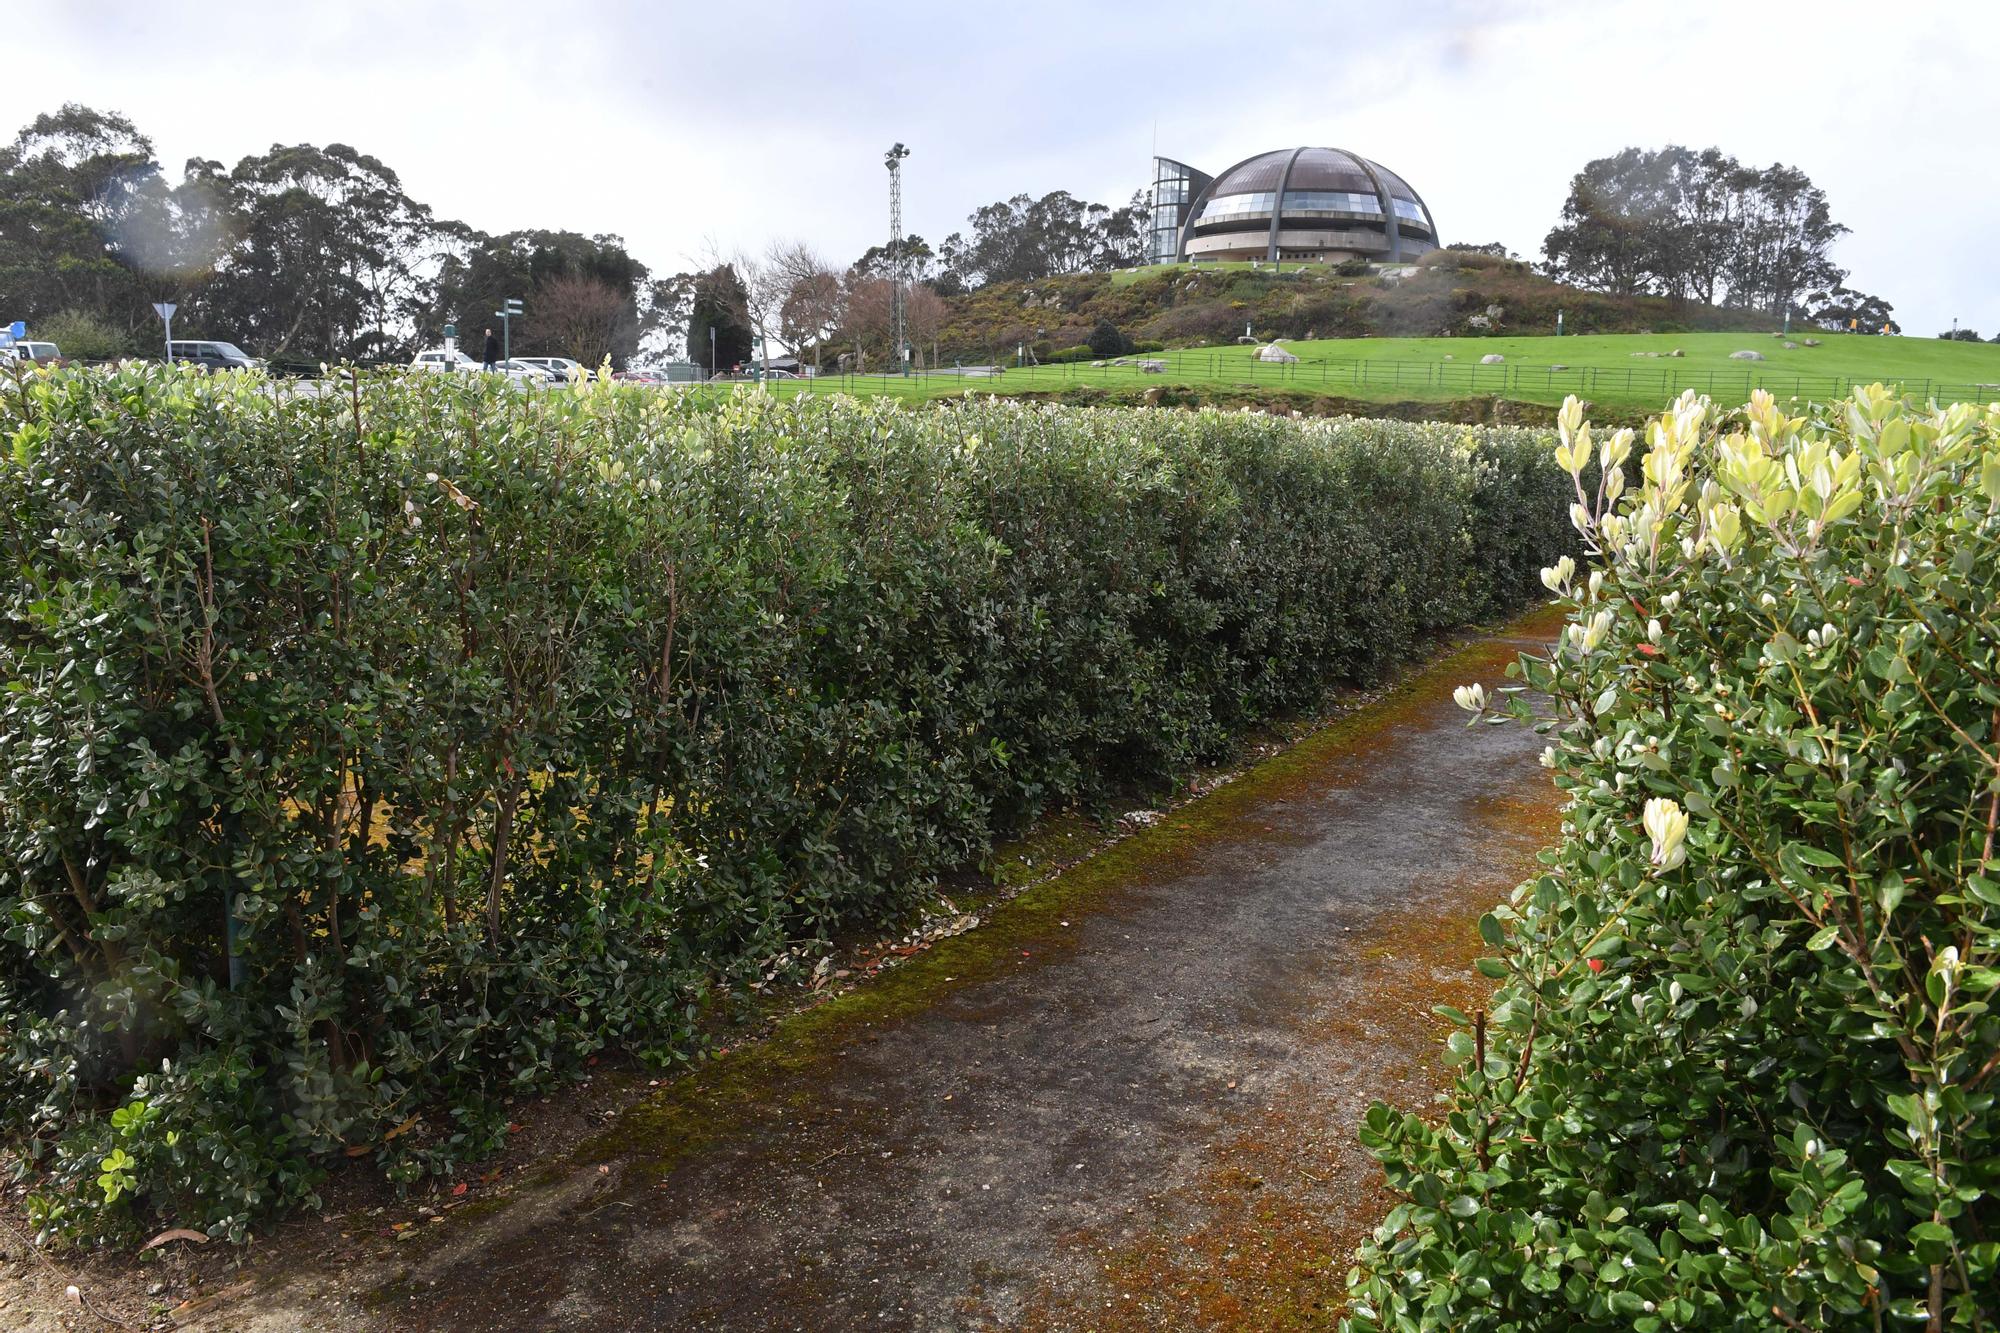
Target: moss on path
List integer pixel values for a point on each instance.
(1126, 1100)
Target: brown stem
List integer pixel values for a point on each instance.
(503, 828)
(1479, 1063)
(79, 887)
(205, 653)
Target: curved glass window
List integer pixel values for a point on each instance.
(1237, 206)
(1331, 201)
(1407, 208)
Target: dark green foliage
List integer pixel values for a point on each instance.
(720, 305)
(1741, 1066)
(1106, 340)
(509, 725)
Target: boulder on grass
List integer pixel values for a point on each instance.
(1491, 359)
(1153, 367)
(1273, 352)
(1746, 356)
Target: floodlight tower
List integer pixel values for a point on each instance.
(893, 160)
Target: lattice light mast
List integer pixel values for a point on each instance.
(894, 161)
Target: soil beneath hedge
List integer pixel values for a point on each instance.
(1127, 1099)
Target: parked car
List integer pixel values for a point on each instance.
(211, 355)
(436, 359)
(33, 351)
(531, 369)
(562, 366)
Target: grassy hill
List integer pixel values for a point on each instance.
(1632, 372)
(1448, 293)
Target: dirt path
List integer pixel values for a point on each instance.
(1128, 1100)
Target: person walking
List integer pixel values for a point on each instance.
(492, 351)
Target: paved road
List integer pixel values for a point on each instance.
(1129, 1105)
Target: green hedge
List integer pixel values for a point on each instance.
(1740, 1070)
(499, 728)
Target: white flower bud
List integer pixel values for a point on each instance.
(1472, 698)
(1667, 825)
(1556, 577)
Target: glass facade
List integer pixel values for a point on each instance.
(1232, 206)
(1407, 209)
(1331, 201)
(1175, 184)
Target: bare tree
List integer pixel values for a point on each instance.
(811, 306)
(587, 318)
(926, 312)
(870, 314)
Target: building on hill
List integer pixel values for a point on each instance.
(1314, 205)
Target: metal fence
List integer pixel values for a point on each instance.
(1426, 378)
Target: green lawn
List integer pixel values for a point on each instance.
(1608, 369)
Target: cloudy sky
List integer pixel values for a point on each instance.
(687, 128)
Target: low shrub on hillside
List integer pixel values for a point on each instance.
(372, 756)
(1740, 1070)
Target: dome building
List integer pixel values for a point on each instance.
(1304, 205)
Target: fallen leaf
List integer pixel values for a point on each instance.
(401, 1129)
(174, 1233)
(458, 1190)
(361, 1150)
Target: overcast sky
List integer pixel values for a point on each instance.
(681, 126)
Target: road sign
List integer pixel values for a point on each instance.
(18, 330)
(509, 308)
(165, 310)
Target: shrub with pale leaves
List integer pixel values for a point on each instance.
(1741, 1066)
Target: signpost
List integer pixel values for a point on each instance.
(165, 310)
(509, 308)
(450, 341)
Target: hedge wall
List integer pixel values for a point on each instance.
(371, 755)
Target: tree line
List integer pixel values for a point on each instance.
(1698, 225)
(309, 253)
(301, 253)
